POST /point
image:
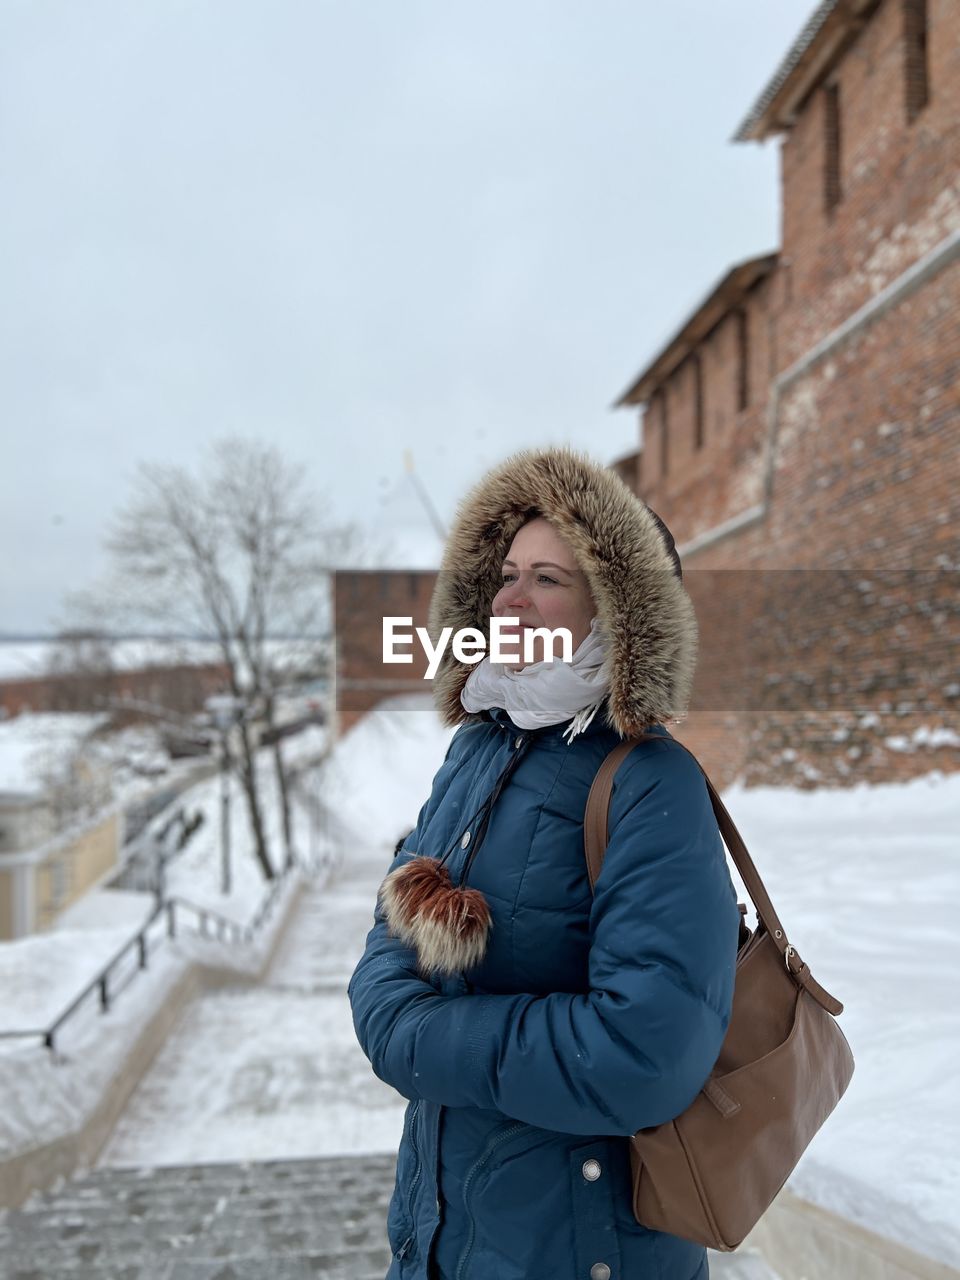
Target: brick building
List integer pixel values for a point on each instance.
(801, 431)
(361, 599)
(407, 539)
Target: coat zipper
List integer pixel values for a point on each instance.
(405, 1247)
(474, 1170)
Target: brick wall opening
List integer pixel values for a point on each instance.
(832, 189)
(664, 432)
(743, 360)
(916, 65)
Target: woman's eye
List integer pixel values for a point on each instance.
(541, 577)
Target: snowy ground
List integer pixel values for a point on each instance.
(48, 1097)
(41, 974)
(102, 909)
(277, 1072)
(867, 883)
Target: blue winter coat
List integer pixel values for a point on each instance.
(589, 1017)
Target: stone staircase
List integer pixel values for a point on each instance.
(279, 1220)
(276, 1220)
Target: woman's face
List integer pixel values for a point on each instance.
(543, 587)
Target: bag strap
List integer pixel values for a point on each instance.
(596, 834)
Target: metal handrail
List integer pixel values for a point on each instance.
(238, 933)
(225, 926)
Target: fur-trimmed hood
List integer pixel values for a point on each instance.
(621, 547)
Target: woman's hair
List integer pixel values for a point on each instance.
(533, 513)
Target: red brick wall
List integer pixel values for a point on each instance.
(627, 469)
(829, 629)
(900, 181)
(178, 688)
(725, 472)
(361, 600)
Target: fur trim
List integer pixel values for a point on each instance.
(447, 926)
(643, 607)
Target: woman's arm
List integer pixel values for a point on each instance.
(386, 979)
(634, 1050)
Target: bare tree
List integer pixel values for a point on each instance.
(238, 553)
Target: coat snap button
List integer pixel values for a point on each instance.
(466, 840)
(599, 1271)
(591, 1171)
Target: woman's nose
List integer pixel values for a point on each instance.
(513, 594)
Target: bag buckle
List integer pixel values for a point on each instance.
(791, 951)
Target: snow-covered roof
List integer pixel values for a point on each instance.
(721, 298)
(31, 743)
(825, 36)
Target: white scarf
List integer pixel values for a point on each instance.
(545, 693)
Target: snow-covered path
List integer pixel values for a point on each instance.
(273, 1071)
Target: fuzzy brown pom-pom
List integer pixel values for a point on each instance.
(447, 926)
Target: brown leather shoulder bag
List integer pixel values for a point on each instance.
(710, 1174)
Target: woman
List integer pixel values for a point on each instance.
(533, 1025)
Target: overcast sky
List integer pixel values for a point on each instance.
(351, 229)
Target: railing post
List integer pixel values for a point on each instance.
(48, 1040)
(171, 926)
(142, 941)
(104, 995)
